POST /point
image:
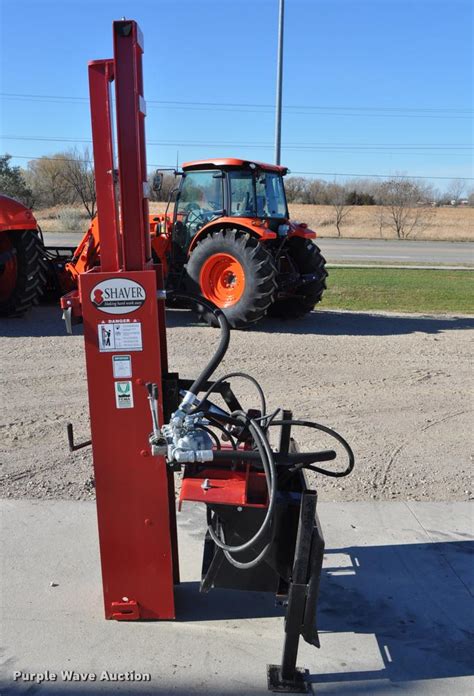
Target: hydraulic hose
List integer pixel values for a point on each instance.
(216, 359)
(291, 458)
(229, 375)
(271, 480)
(332, 433)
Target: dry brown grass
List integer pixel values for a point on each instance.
(451, 224)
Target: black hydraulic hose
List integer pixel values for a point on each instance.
(291, 458)
(215, 423)
(271, 480)
(216, 359)
(229, 375)
(332, 433)
(246, 565)
(241, 565)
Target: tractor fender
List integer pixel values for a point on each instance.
(15, 216)
(259, 230)
(301, 229)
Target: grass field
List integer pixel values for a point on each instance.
(400, 290)
(362, 222)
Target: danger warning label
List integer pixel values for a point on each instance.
(117, 336)
(124, 394)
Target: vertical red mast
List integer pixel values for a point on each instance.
(125, 348)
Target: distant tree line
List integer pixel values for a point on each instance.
(404, 204)
(372, 191)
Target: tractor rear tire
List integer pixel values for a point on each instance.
(233, 270)
(22, 273)
(301, 300)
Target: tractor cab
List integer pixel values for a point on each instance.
(238, 190)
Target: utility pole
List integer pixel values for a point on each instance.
(279, 85)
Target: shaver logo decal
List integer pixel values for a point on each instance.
(118, 296)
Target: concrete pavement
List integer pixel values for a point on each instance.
(396, 608)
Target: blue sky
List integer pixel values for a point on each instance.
(370, 86)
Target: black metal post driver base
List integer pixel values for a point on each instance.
(299, 683)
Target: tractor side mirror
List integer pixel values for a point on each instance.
(157, 181)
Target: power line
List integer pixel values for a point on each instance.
(376, 147)
(162, 101)
(333, 174)
(386, 176)
(308, 109)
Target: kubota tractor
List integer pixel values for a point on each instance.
(22, 266)
(233, 242)
(229, 239)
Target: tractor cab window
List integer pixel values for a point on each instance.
(257, 194)
(271, 201)
(242, 193)
(200, 200)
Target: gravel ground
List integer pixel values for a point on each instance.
(396, 386)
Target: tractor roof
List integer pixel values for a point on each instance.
(232, 163)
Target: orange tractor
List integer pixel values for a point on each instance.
(229, 240)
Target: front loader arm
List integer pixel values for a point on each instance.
(86, 254)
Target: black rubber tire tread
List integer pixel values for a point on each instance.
(308, 259)
(259, 270)
(31, 273)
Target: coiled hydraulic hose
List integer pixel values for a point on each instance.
(332, 433)
(268, 463)
(265, 452)
(229, 375)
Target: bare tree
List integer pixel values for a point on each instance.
(296, 189)
(45, 177)
(168, 184)
(337, 197)
(406, 206)
(455, 191)
(78, 172)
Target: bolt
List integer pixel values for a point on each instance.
(148, 522)
(144, 453)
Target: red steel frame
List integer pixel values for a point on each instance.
(135, 492)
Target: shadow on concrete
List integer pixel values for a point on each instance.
(171, 689)
(221, 605)
(415, 599)
(46, 321)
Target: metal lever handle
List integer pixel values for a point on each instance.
(70, 439)
(152, 389)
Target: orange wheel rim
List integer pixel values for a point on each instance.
(222, 280)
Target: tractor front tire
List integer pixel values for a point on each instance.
(22, 271)
(307, 258)
(233, 270)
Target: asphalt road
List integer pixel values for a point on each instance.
(360, 250)
(397, 251)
